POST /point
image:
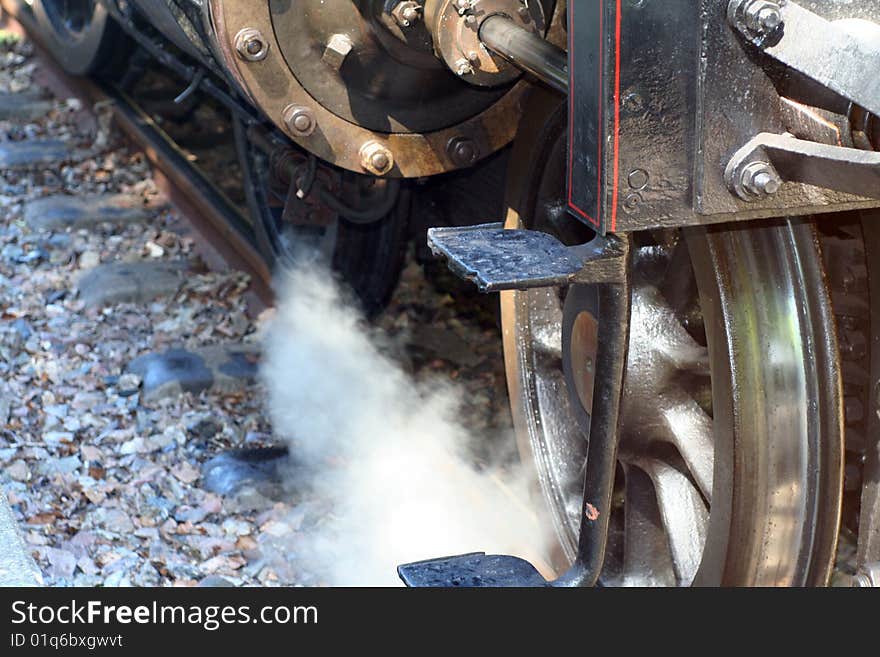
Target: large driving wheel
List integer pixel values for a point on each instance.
(729, 462)
(79, 34)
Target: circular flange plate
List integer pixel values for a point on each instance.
(456, 28)
(272, 87)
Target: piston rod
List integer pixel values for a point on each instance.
(526, 51)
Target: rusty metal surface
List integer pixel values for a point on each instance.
(389, 81)
(273, 87)
(455, 28)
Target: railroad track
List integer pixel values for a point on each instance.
(219, 222)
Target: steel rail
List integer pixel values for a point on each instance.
(216, 220)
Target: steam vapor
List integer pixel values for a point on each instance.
(387, 453)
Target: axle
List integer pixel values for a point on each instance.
(526, 51)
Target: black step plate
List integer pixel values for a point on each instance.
(476, 569)
(497, 259)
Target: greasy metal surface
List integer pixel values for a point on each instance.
(498, 259)
(526, 51)
(272, 86)
(739, 99)
(848, 170)
(691, 92)
(159, 14)
(776, 405)
(534, 356)
(835, 56)
(604, 433)
(739, 483)
(471, 570)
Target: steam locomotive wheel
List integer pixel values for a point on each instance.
(79, 34)
(729, 463)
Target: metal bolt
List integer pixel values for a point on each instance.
(250, 45)
(337, 49)
(463, 67)
(406, 13)
(631, 202)
(463, 151)
(375, 158)
(760, 179)
(299, 120)
(762, 16)
(766, 183)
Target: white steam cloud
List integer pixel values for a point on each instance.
(386, 452)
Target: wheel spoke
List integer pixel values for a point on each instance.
(684, 516)
(690, 430)
(646, 557)
(658, 333)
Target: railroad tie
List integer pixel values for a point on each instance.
(130, 282)
(62, 211)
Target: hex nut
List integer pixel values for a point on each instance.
(760, 179)
(406, 13)
(299, 120)
(464, 67)
(337, 49)
(250, 45)
(375, 158)
(762, 16)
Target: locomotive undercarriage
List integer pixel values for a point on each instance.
(686, 262)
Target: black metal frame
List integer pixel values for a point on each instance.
(683, 88)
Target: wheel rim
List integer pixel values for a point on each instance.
(70, 18)
(697, 499)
